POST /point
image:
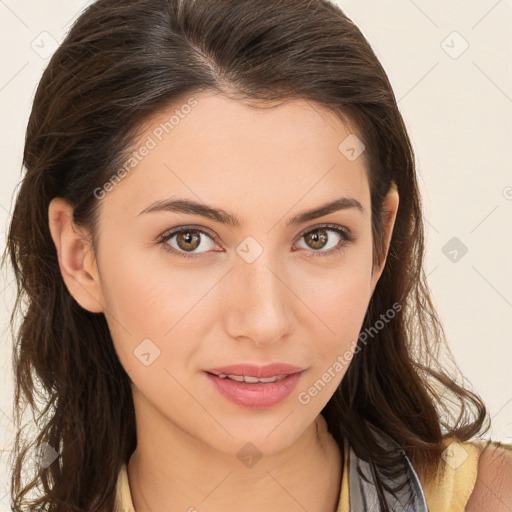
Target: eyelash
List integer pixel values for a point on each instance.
(346, 236)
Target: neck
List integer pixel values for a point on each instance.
(191, 476)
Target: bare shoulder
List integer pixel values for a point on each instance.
(493, 488)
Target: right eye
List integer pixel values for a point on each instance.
(184, 241)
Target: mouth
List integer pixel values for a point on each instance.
(254, 387)
(249, 379)
(251, 371)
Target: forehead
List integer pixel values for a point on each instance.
(224, 150)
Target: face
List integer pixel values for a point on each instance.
(257, 283)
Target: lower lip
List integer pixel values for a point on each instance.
(261, 395)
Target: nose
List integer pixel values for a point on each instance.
(258, 306)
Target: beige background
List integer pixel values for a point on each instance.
(449, 64)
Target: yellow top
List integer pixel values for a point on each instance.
(447, 491)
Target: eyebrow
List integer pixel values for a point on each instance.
(219, 215)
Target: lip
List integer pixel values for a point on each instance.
(255, 396)
(261, 372)
(260, 395)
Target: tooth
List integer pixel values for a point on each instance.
(268, 379)
(238, 378)
(250, 379)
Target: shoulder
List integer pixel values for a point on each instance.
(493, 486)
(472, 476)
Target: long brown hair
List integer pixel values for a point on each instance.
(121, 62)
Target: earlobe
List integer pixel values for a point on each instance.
(75, 256)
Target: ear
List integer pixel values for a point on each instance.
(76, 256)
(389, 211)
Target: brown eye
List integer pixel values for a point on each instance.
(188, 240)
(326, 240)
(317, 239)
(185, 242)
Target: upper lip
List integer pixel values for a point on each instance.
(260, 372)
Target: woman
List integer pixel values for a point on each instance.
(219, 241)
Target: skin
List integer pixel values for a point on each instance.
(289, 305)
(493, 487)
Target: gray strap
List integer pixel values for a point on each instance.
(363, 495)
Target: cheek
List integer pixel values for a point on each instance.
(339, 295)
(145, 293)
(339, 300)
(146, 301)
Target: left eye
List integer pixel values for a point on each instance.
(319, 239)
